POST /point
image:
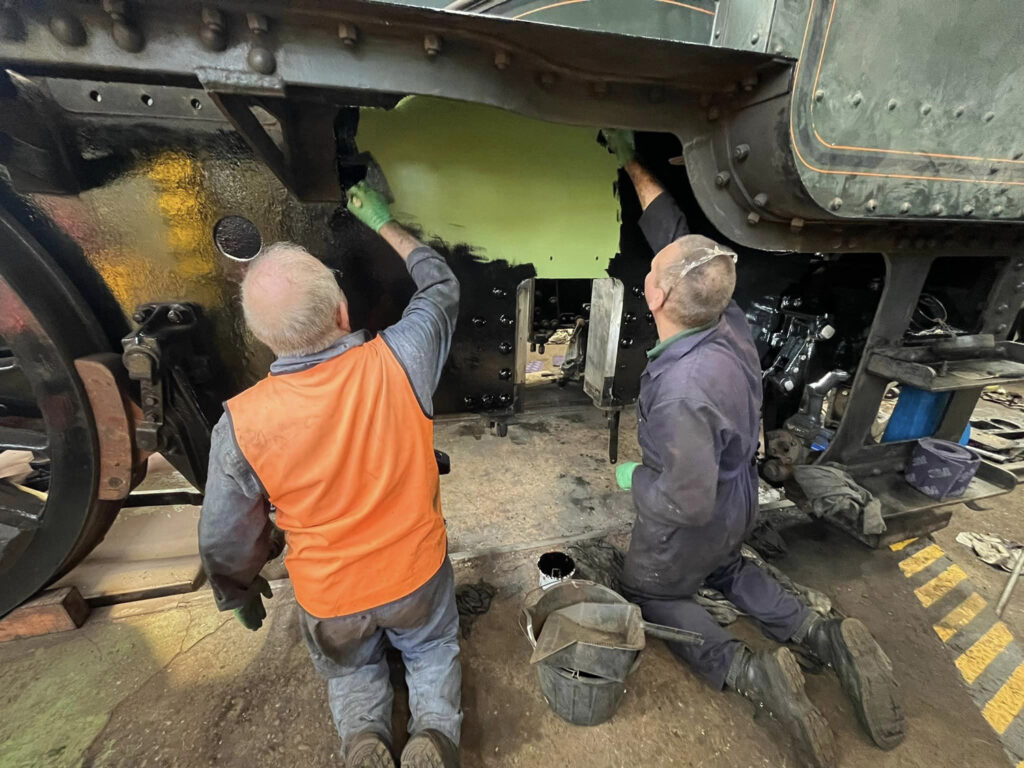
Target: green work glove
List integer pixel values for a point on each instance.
(369, 206)
(624, 474)
(621, 144)
(252, 614)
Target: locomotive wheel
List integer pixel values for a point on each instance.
(51, 519)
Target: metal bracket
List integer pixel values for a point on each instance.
(160, 356)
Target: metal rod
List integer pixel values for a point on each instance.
(161, 498)
(1010, 584)
(613, 435)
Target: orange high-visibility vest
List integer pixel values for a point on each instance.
(346, 454)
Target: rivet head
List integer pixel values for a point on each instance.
(348, 34)
(857, 98)
(989, 116)
(754, 38)
(127, 38)
(740, 152)
(761, 200)
(1018, 288)
(1002, 308)
(926, 109)
(261, 59)
(11, 27)
(997, 211)
(431, 44)
(502, 59)
(722, 179)
(1019, 265)
(835, 204)
(968, 209)
(212, 34)
(959, 111)
(937, 210)
(796, 224)
(753, 218)
(871, 205)
(504, 347)
(1001, 328)
(505, 374)
(892, 104)
(819, 95)
(67, 29)
(905, 208)
(258, 23)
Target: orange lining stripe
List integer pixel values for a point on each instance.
(821, 60)
(572, 2)
(691, 7)
(800, 157)
(547, 7)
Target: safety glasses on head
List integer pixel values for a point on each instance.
(707, 255)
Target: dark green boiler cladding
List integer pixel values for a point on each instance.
(864, 158)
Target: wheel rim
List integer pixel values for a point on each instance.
(44, 409)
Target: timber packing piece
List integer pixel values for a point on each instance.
(56, 610)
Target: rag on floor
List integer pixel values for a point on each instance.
(833, 493)
(992, 549)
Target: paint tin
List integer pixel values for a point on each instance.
(555, 567)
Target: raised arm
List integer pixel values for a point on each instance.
(422, 339)
(662, 221)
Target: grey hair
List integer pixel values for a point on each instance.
(699, 280)
(290, 300)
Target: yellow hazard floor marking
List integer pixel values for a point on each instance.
(976, 659)
(1004, 706)
(921, 560)
(940, 586)
(959, 617)
(901, 544)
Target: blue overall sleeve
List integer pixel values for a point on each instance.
(422, 338)
(234, 525)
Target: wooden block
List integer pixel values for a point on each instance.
(56, 610)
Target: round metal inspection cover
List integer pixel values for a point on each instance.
(237, 238)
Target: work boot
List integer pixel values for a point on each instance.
(430, 749)
(774, 681)
(368, 750)
(865, 673)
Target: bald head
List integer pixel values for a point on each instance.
(291, 301)
(695, 277)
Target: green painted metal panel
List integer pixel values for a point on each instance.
(522, 190)
(912, 109)
(680, 20)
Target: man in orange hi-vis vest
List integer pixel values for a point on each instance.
(367, 550)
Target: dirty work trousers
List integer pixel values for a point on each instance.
(348, 652)
(749, 588)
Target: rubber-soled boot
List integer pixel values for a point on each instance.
(430, 749)
(368, 750)
(773, 679)
(865, 673)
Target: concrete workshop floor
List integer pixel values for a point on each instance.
(170, 682)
